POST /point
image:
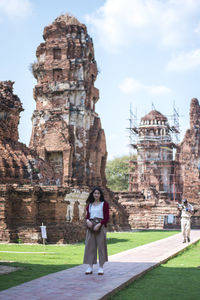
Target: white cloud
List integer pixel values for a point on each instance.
(158, 90)
(170, 23)
(185, 61)
(15, 8)
(131, 86)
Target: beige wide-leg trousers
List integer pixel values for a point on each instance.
(185, 227)
(95, 240)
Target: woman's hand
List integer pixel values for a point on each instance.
(89, 224)
(97, 227)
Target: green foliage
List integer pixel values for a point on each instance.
(117, 171)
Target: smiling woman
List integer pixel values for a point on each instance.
(96, 221)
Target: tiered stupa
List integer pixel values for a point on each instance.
(154, 171)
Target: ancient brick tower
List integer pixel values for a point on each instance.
(10, 108)
(18, 164)
(66, 129)
(155, 168)
(189, 156)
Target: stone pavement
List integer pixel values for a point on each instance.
(122, 268)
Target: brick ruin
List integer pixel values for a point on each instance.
(49, 182)
(189, 156)
(154, 169)
(24, 200)
(66, 130)
(164, 172)
(18, 163)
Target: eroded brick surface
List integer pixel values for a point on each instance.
(18, 163)
(67, 131)
(189, 156)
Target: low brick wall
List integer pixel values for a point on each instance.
(24, 209)
(152, 213)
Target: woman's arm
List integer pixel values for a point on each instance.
(88, 222)
(87, 213)
(105, 213)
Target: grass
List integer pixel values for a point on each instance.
(178, 279)
(60, 257)
(121, 241)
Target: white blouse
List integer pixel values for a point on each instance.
(187, 213)
(96, 211)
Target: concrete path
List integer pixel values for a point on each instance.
(122, 268)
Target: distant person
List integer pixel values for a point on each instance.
(186, 213)
(96, 221)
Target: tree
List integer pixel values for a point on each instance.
(117, 171)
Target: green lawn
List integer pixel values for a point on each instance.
(60, 257)
(178, 279)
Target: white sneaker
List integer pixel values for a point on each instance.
(100, 271)
(89, 270)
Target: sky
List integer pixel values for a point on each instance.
(147, 53)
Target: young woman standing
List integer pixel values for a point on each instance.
(96, 220)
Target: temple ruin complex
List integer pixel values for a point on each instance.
(164, 172)
(49, 181)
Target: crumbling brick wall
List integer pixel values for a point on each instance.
(10, 108)
(23, 209)
(154, 213)
(189, 156)
(18, 164)
(66, 129)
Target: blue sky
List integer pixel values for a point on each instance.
(146, 51)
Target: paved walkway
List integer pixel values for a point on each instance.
(121, 269)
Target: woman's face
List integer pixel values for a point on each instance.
(96, 195)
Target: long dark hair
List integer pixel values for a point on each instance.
(91, 199)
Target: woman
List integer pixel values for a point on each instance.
(96, 220)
